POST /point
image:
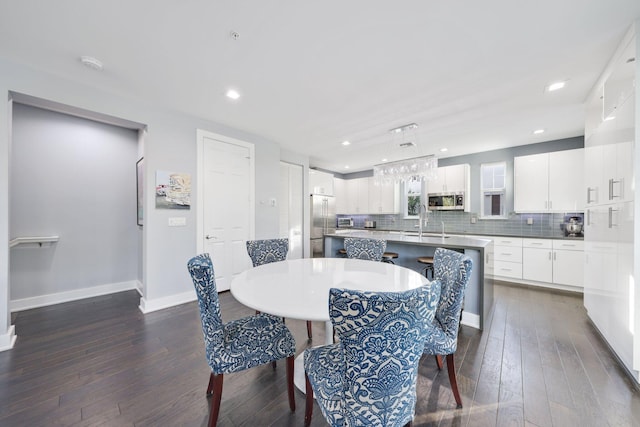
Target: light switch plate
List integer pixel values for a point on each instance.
(179, 221)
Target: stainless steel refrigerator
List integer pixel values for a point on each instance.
(323, 220)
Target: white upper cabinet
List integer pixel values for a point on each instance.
(383, 198)
(451, 179)
(550, 182)
(340, 193)
(320, 183)
(357, 195)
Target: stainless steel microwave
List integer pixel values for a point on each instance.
(345, 222)
(446, 201)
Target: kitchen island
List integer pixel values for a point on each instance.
(409, 246)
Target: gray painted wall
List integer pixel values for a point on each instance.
(74, 178)
(170, 144)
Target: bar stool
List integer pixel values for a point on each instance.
(428, 262)
(389, 257)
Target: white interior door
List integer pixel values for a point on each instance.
(291, 208)
(228, 206)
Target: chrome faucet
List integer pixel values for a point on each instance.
(422, 210)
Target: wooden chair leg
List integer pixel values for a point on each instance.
(309, 334)
(452, 379)
(215, 400)
(439, 361)
(308, 410)
(292, 399)
(210, 386)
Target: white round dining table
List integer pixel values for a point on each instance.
(299, 288)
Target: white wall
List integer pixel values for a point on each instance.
(74, 178)
(170, 144)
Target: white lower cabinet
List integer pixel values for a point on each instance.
(537, 260)
(558, 262)
(507, 256)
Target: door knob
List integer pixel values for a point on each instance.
(208, 237)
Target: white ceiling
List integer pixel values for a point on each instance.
(470, 73)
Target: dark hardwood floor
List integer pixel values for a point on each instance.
(100, 362)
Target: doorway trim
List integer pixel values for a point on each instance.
(201, 134)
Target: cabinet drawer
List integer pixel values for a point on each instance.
(508, 269)
(569, 245)
(507, 253)
(537, 243)
(508, 241)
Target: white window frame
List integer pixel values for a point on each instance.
(500, 190)
(405, 200)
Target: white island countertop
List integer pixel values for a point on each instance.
(450, 241)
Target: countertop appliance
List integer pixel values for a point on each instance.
(323, 220)
(573, 227)
(369, 224)
(445, 201)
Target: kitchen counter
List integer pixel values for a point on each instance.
(455, 233)
(479, 293)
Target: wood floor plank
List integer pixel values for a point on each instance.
(100, 362)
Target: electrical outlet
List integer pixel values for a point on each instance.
(529, 221)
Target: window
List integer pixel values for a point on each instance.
(412, 198)
(493, 190)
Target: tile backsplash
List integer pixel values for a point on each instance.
(542, 225)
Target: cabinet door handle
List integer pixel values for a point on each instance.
(611, 211)
(554, 256)
(549, 255)
(611, 184)
(536, 243)
(589, 190)
(588, 217)
(550, 204)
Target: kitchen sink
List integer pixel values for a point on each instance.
(416, 234)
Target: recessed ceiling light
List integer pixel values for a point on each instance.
(444, 149)
(92, 62)
(383, 160)
(556, 86)
(606, 119)
(233, 94)
(346, 166)
(538, 131)
(345, 143)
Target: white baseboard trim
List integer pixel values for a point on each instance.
(60, 297)
(470, 319)
(9, 339)
(147, 305)
(139, 288)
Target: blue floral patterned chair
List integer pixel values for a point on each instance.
(369, 377)
(361, 248)
(239, 344)
(267, 251)
(453, 270)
